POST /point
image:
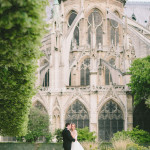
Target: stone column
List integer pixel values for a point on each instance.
(129, 112)
(57, 69)
(93, 111)
(1, 139)
(52, 59)
(93, 95)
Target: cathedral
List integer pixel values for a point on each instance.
(84, 74)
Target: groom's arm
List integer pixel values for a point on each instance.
(69, 137)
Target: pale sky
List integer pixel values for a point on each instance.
(139, 0)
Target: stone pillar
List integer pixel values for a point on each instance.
(1, 139)
(52, 59)
(93, 111)
(129, 112)
(56, 69)
(50, 111)
(93, 95)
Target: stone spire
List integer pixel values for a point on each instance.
(56, 10)
(56, 2)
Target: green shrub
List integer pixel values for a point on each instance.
(137, 135)
(58, 134)
(48, 137)
(134, 146)
(85, 135)
(106, 146)
(38, 126)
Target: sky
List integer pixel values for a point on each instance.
(139, 0)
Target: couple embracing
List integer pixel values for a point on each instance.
(70, 138)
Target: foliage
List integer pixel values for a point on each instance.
(136, 135)
(48, 137)
(140, 80)
(58, 134)
(133, 146)
(85, 135)
(90, 145)
(21, 29)
(120, 141)
(125, 140)
(106, 146)
(38, 126)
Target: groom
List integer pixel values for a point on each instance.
(67, 138)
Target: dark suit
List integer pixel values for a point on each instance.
(67, 139)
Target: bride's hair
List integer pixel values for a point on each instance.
(73, 124)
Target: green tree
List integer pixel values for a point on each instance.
(38, 125)
(140, 80)
(21, 30)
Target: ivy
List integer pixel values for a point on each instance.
(140, 80)
(21, 30)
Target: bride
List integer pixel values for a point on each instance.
(75, 145)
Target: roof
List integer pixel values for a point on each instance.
(141, 10)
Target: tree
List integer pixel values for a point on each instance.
(38, 125)
(140, 80)
(21, 29)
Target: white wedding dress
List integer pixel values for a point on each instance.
(76, 145)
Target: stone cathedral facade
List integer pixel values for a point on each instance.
(83, 75)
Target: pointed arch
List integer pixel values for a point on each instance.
(39, 106)
(78, 114)
(110, 120)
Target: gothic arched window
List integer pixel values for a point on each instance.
(108, 77)
(114, 31)
(95, 32)
(46, 79)
(110, 120)
(70, 80)
(78, 114)
(112, 61)
(85, 72)
(39, 106)
(75, 40)
(72, 17)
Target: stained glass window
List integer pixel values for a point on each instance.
(85, 72)
(72, 17)
(76, 31)
(70, 80)
(110, 120)
(112, 61)
(114, 31)
(78, 114)
(46, 79)
(108, 77)
(95, 26)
